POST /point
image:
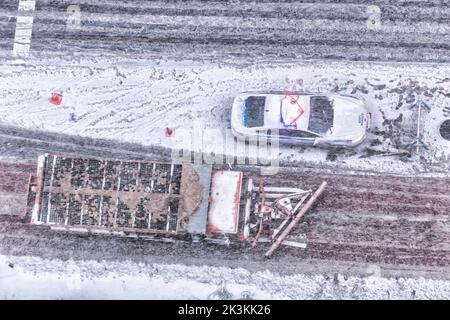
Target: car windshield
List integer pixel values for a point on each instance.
(321, 115)
(253, 112)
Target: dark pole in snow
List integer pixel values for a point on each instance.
(296, 220)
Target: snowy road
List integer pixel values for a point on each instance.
(129, 69)
(115, 64)
(135, 102)
(37, 278)
(380, 30)
(399, 224)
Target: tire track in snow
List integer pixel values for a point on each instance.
(409, 31)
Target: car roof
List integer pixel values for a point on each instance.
(273, 115)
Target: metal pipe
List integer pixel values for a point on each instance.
(36, 213)
(418, 127)
(295, 221)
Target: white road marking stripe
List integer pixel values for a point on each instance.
(24, 29)
(27, 5)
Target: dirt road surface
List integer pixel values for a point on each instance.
(398, 223)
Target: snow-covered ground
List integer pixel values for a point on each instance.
(135, 102)
(35, 278)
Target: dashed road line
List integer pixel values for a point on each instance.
(24, 28)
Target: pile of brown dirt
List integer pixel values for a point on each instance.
(191, 194)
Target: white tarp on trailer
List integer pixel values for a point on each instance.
(223, 211)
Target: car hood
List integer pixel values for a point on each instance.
(346, 123)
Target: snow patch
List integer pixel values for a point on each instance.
(36, 278)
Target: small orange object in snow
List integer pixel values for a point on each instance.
(56, 98)
(169, 132)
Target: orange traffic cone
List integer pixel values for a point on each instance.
(169, 132)
(56, 98)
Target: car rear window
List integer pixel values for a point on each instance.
(321, 114)
(254, 111)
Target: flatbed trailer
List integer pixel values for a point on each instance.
(157, 199)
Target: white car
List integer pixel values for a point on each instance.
(301, 118)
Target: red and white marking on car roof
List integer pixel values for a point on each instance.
(291, 113)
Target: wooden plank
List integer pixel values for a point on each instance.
(296, 220)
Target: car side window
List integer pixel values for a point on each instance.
(297, 133)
